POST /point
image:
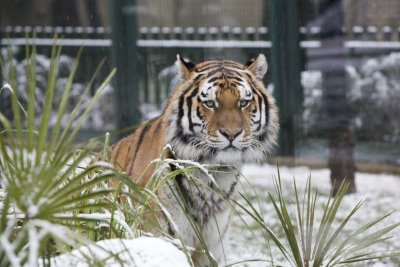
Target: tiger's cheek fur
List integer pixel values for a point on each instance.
(248, 124)
(208, 122)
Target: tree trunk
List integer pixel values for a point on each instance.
(341, 160)
(331, 60)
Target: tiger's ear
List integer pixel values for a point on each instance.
(184, 67)
(258, 66)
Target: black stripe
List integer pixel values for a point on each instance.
(231, 190)
(197, 78)
(198, 113)
(128, 153)
(265, 102)
(118, 145)
(259, 125)
(211, 67)
(140, 141)
(185, 138)
(216, 65)
(158, 125)
(148, 124)
(182, 99)
(235, 72)
(210, 62)
(236, 83)
(260, 97)
(234, 78)
(189, 105)
(171, 231)
(233, 64)
(248, 75)
(181, 113)
(213, 79)
(190, 206)
(211, 73)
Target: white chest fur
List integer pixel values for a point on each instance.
(200, 209)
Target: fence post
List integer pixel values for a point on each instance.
(286, 69)
(1, 71)
(124, 57)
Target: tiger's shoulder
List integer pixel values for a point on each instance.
(220, 112)
(134, 153)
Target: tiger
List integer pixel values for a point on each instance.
(220, 113)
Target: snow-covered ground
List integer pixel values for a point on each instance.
(381, 192)
(142, 251)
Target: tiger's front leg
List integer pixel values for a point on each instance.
(202, 214)
(216, 234)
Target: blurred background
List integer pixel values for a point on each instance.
(334, 65)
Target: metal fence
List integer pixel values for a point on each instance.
(158, 46)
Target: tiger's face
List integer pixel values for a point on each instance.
(222, 113)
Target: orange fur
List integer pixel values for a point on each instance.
(220, 113)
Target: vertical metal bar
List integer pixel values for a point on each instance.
(1, 71)
(145, 70)
(286, 69)
(2, 30)
(124, 57)
(157, 88)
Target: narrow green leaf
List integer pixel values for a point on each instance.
(300, 221)
(371, 239)
(91, 104)
(48, 103)
(352, 237)
(331, 214)
(64, 140)
(339, 230)
(31, 80)
(64, 101)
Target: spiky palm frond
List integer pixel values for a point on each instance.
(307, 242)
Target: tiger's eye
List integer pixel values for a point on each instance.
(244, 103)
(209, 104)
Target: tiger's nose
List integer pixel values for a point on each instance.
(230, 134)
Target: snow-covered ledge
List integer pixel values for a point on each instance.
(139, 252)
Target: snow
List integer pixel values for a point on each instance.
(142, 251)
(204, 43)
(372, 44)
(373, 95)
(62, 42)
(218, 43)
(102, 116)
(380, 192)
(366, 182)
(246, 241)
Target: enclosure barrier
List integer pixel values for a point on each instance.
(158, 46)
(357, 37)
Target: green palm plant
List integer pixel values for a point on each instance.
(46, 182)
(54, 194)
(309, 243)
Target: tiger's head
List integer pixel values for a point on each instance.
(221, 112)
